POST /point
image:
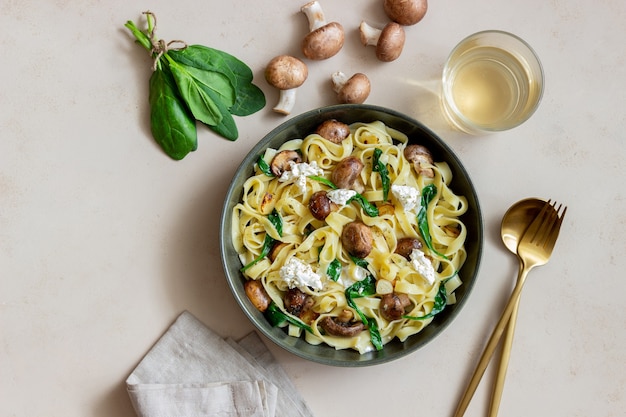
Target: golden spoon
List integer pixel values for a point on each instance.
(514, 224)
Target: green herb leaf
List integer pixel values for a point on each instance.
(265, 250)
(277, 318)
(172, 124)
(334, 270)
(264, 166)
(438, 306)
(200, 103)
(384, 173)
(324, 181)
(359, 289)
(276, 221)
(428, 193)
(369, 208)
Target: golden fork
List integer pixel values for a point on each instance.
(534, 249)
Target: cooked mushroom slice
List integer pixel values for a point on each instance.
(324, 39)
(352, 90)
(357, 239)
(392, 306)
(297, 301)
(420, 156)
(320, 205)
(286, 73)
(333, 130)
(405, 246)
(338, 328)
(406, 12)
(256, 293)
(273, 254)
(346, 174)
(389, 41)
(280, 162)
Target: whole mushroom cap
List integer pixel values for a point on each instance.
(285, 72)
(324, 42)
(406, 12)
(391, 42)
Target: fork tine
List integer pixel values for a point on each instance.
(538, 224)
(555, 229)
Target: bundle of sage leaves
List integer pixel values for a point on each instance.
(192, 83)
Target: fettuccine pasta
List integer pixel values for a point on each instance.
(323, 289)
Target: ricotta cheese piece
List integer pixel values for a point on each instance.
(408, 196)
(423, 266)
(298, 274)
(299, 172)
(340, 196)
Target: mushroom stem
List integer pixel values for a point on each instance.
(339, 79)
(314, 14)
(369, 34)
(286, 101)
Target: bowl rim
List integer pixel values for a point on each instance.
(352, 358)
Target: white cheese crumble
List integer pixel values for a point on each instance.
(299, 172)
(408, 196)
(340, 196)
(298, 274)
(423, 266)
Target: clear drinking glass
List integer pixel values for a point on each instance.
(492, 81)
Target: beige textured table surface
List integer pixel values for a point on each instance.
(104, 240)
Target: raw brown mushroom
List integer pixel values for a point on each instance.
(333, 130)
(352, 90)
(346, 174)
(406, 12)
(339, 328)
(324, 40)
(286, 73)
(405, 246)
(389, 41)
(357, 239)
(257, 294)
(420, 157)
(392, 306)
(280, 162)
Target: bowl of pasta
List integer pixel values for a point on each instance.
(351, 235)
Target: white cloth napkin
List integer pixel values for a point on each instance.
(192, 372)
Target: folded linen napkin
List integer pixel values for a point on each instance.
(192, 372)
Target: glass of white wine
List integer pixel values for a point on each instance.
(492, 81)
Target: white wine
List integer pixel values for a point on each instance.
(489, 88)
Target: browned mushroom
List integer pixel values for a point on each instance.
(351, 90)
(296, 300)
(405, 12)
(276, 248)
(320, 205)
(286, 73)
(333, 130)
(346, 174)
(405, 246)
(339, 328)
(256, 293)
(392, 306)
(420, 157)
(357, 239)
(389, 41)
(280, 162)
(324, 40)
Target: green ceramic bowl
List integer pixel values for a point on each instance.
(299, 127)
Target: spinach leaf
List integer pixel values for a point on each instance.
(172, 124)
(359, 289)
(384, 173)
(264, 166)
(438, 306)
(428, 193)
(277, 317)
(334, 270)
(276, 221)
(369, 208)
(265, 250)
(323, 181)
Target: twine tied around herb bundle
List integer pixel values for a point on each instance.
(159, 46)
